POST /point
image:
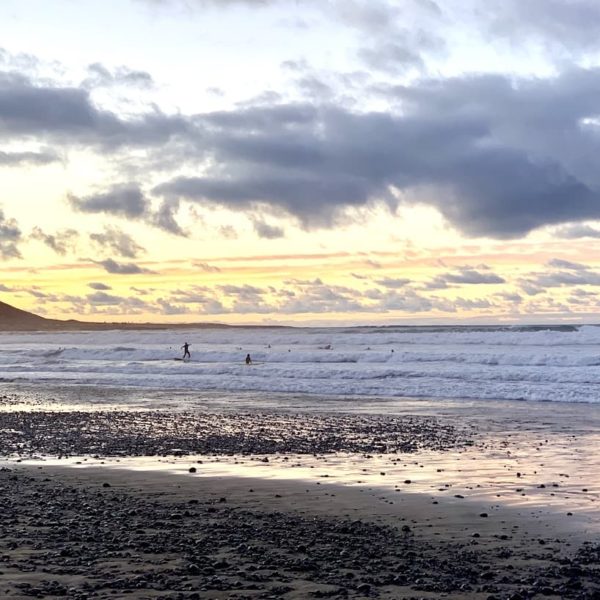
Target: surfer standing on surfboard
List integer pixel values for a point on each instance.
(186, 351)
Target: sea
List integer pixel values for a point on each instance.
(527, 363)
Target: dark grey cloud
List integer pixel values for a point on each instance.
(402, 49)
(392, 57)
(128, 200)
(202, 299)
(564, 273)
(203, 3)
(140, 291)
(61, 241)
(68, 115)
(401, 34)
(409, 301)
(304, 282)
(164, 218)
(583, 293)
(103, 298)
(312, 86)
(117, 242)
(315, 201)
(569, 27)
(559, 263)
(498, 158)
(373, 263)
(296, 66)
(245, 291)
(393, 283)
(266, 231)
(464, 275)
(572, 232)
(530, 287)
(579, 297)
(322, 298)
(228, 232)
(37, 293)
(572, 25)
(207, 268)
(469, 275)
(121, 200)
(101, 303)
(567, 278)
(17, 159)
(167, 308)
(101, 76)
(193, 296)
(313, 297)
(376, 17)
(470, 304)
(112, 266)
(21, 60)
(437, 283)
(10, 236)
(513, 297)
(99, 286)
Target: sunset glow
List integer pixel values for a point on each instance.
(300, 162)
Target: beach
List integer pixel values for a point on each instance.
(436, 499)
(299, 299)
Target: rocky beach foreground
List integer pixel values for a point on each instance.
(105, 531)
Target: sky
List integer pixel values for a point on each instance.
(312, 162)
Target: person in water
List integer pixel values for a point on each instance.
(248, 359)
(186, 351)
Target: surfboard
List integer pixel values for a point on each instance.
(183, 359)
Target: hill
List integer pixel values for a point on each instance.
(15, 319)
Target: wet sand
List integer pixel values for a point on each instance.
(487, 504)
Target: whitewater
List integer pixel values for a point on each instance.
(555, 364)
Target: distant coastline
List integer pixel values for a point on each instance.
(16, 319)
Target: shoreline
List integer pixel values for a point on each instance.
(486, 502)
(158, 535)
(458, 515)
(81, 396)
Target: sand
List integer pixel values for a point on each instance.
(506, 507)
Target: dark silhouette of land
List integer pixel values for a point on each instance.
(15, 319)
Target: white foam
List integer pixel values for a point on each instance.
(561, 366)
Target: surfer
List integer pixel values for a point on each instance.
(186, 351)
(248, 359)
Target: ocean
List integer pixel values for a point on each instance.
(553, 364)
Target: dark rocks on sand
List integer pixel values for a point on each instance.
(158, 433)
(110, 542)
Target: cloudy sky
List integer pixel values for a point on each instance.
(301, 161)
